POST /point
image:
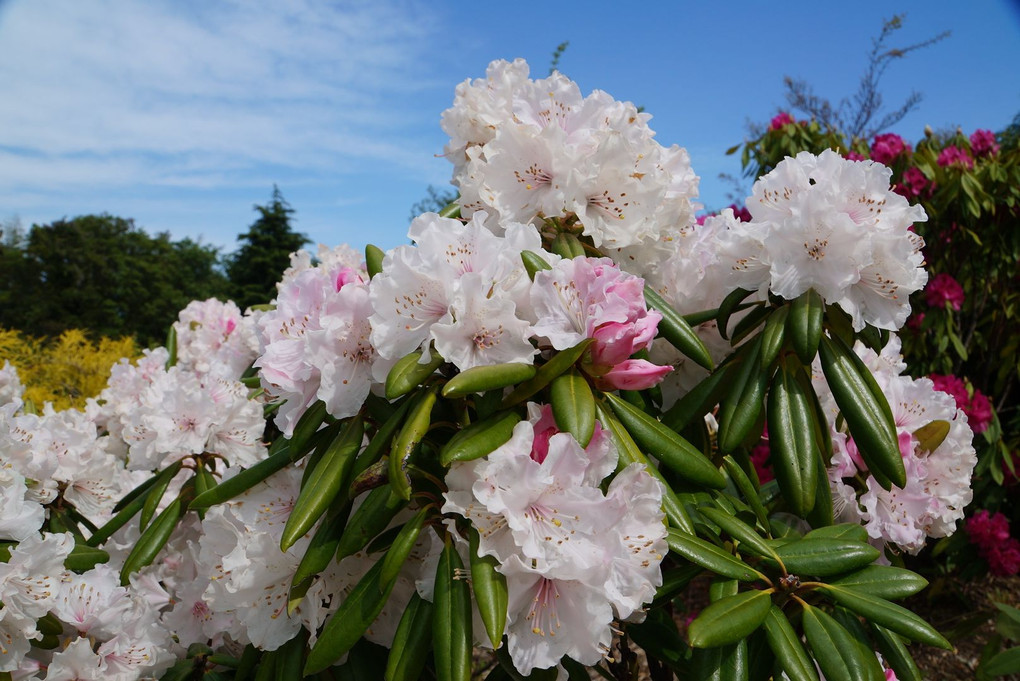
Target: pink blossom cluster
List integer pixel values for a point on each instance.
(781, 120)
(991, 535)
(943, 290)
(888, 147)
(953, 156)
(983, 143)
(977, 405)
(913, 184)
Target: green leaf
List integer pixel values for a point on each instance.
(409, 372)
(785, 643)
(401, 547)
(730, 619)
(371, 518)
(834, 648)
(129, 509)
(889, 615)
(567, 246)
(743, 403)
(412, 641)
(451, 210)
(489, 586)
(83, 558)
(710, 556)
(451, 620)
(170, 471)
(380, 443)
(418, 421)
(747, 489)
(153, 539)
(805, 325)
(1006, 662)
(667, 446)
(290, 656)
(740, 531)
(320, 551)
(306, 427)
(896, 654)
(533, 263)
(675, 329)
(823, 557)
(849, 531)
(480, 438)
(883, 581)
(243, 481)
(373, 259)
(931, 435)
(728, 307)
(171, 346)
(484, 378)
(792, 442)
(865, 408)
(702, 397)
(351, 620)
(774, 335)
(329, 476)
(573, 406)
(556, 365)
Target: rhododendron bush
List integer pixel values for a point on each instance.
(527, 431)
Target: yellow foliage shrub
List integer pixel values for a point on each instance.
(64, 370)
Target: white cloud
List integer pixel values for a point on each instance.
(166, 93)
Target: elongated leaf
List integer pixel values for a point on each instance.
(451, 210)
(381, 441)
(567, 246)
(412, 642)
(83, 558)
(729, 305)
(1006, 662)
(490, 590)
(774, 335)
(290, 657)
(556, 365)
(675, 329)
(730, 619)
(823, 557)
(883, 581)
(373, 259)
(742, 405)
(702, 397)
(666, 445)
(320, 551)
(243, 481)
(371, 518)
(896, 654)
(573, 406)
(533, 263)
(306, 427)
(409, 372)
(419, 419)
(791, 441)
(451, 628)
(832, 645)
(785, 643)
(484, 378)
(401, 547)
(171, 346)
(153, 539)
(480, 438)
(850, 531)
(138, 491)
(865, 409)
(931, 435)
(740, 531)
(354, 616)
(805, 325)
(630, 453)
(747, 489)
(710, 556)
(891, 616)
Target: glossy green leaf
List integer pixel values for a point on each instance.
(152, 540)
(484, 378)
(742, 404)
(451, 620)
(773, 335)
(629, 453)
(891, 616)
(84, 557)
(730, 619)
(710, 556)
(451, 210)
(412, 641)
(675, 329)
(409, 372)
(573, 406)
(379, 443)
(896, 654)
(728, 306)
(883, 581)
(347, 625)
(1003, 663)
(320, 551)
(480, 438)
(419, 418)
(373, 259)
(805, 325)
(834, 648)
(533, 263)
(489, 586)
(747, 489)
(306, 427)
(747, 536)
(931, 435)
(785, 643)
(556, 365)
(168, 472)
(171, 346)
(377, 510)
(666, 445)
(865, 410)
(243, 481)
(330, 475)
(567, 246)
(792, 442)
(850, 531)
(823, 557)
(401, 547)
(702, 397)
(290, 658)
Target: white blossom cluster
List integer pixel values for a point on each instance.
(938, 481)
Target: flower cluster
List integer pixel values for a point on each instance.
(973, 402)
(943, 290)
(991, 535)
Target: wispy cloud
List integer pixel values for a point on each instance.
(169, 93)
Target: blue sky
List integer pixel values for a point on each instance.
(182, 114)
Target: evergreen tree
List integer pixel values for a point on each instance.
(264, 254)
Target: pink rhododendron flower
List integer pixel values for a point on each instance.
(759, 459)
(854, 156)
(780, 120)
(888, 147)
(953, 156)
(983, 143)
(991, 535)
(914, 183)
(944, 289)
(976, 406)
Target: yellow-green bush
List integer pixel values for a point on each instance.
(64, 370)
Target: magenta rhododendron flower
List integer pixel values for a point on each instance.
(944, 289)
(854, 156)
(991, 535)
(780, 120)
(913, 184)
(977, 407)
(983, 143)
(955, 157)
(888, 147)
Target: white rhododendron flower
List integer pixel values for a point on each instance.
(215, 337)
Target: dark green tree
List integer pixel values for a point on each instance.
(264, 254)
(102, 274)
